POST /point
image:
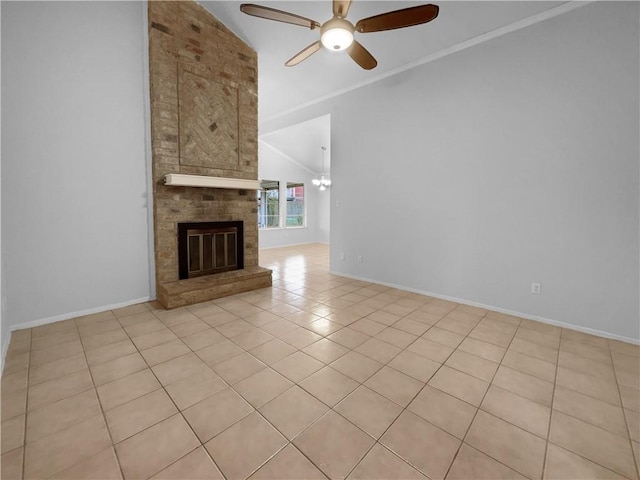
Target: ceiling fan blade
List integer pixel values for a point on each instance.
(278, 15)
(303, 54)
(361, 56)
(341, 7)
(407, 17)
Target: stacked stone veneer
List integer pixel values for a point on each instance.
(204, 121)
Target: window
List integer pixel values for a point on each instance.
(269, 204)
(295, 204)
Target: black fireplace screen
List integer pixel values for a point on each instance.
(205, 248)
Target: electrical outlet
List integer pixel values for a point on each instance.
(342, 257)
(535, 288)
(360, 260)
(338, 203)
(4, 304)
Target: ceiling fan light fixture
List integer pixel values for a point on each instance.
(337, 34)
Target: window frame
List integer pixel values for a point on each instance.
(263, 196)
(292, 185)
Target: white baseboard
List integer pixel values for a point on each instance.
(80, 313)
(65, 316)
(549, 321)
(5, 345)
(292, 245)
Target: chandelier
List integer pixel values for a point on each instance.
(322, 183)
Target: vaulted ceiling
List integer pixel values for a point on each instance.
(324, 73)
(303, 143)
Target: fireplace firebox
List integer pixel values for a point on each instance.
(205, 248)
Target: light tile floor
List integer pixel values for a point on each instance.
(319, 376)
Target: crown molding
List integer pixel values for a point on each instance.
(485, 37)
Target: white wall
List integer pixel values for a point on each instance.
(75, 233)
(323, 210)
(511, 162)
(273, 165)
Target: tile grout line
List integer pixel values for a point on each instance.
(624, 414)
(95, 390)
(26, 408)
(295, 384)
(462, 442)
(553, 398)
(256, 410)
(112, 381)
(568, 388)
(308, 427)
(527, 356)
(330, 409)
(442, 364)
(163, 387)
(60, 399)
(503, 356)
(289, 441)
(578, 418)
(377, 441)
(360, 384)
(582, 393)
(283, 299)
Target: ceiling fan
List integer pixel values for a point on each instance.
(337, 34)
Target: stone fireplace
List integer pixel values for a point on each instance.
(203, 85)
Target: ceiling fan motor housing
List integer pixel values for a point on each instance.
(337, 34)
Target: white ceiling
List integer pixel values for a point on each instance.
(284, 88)
(303, 143)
